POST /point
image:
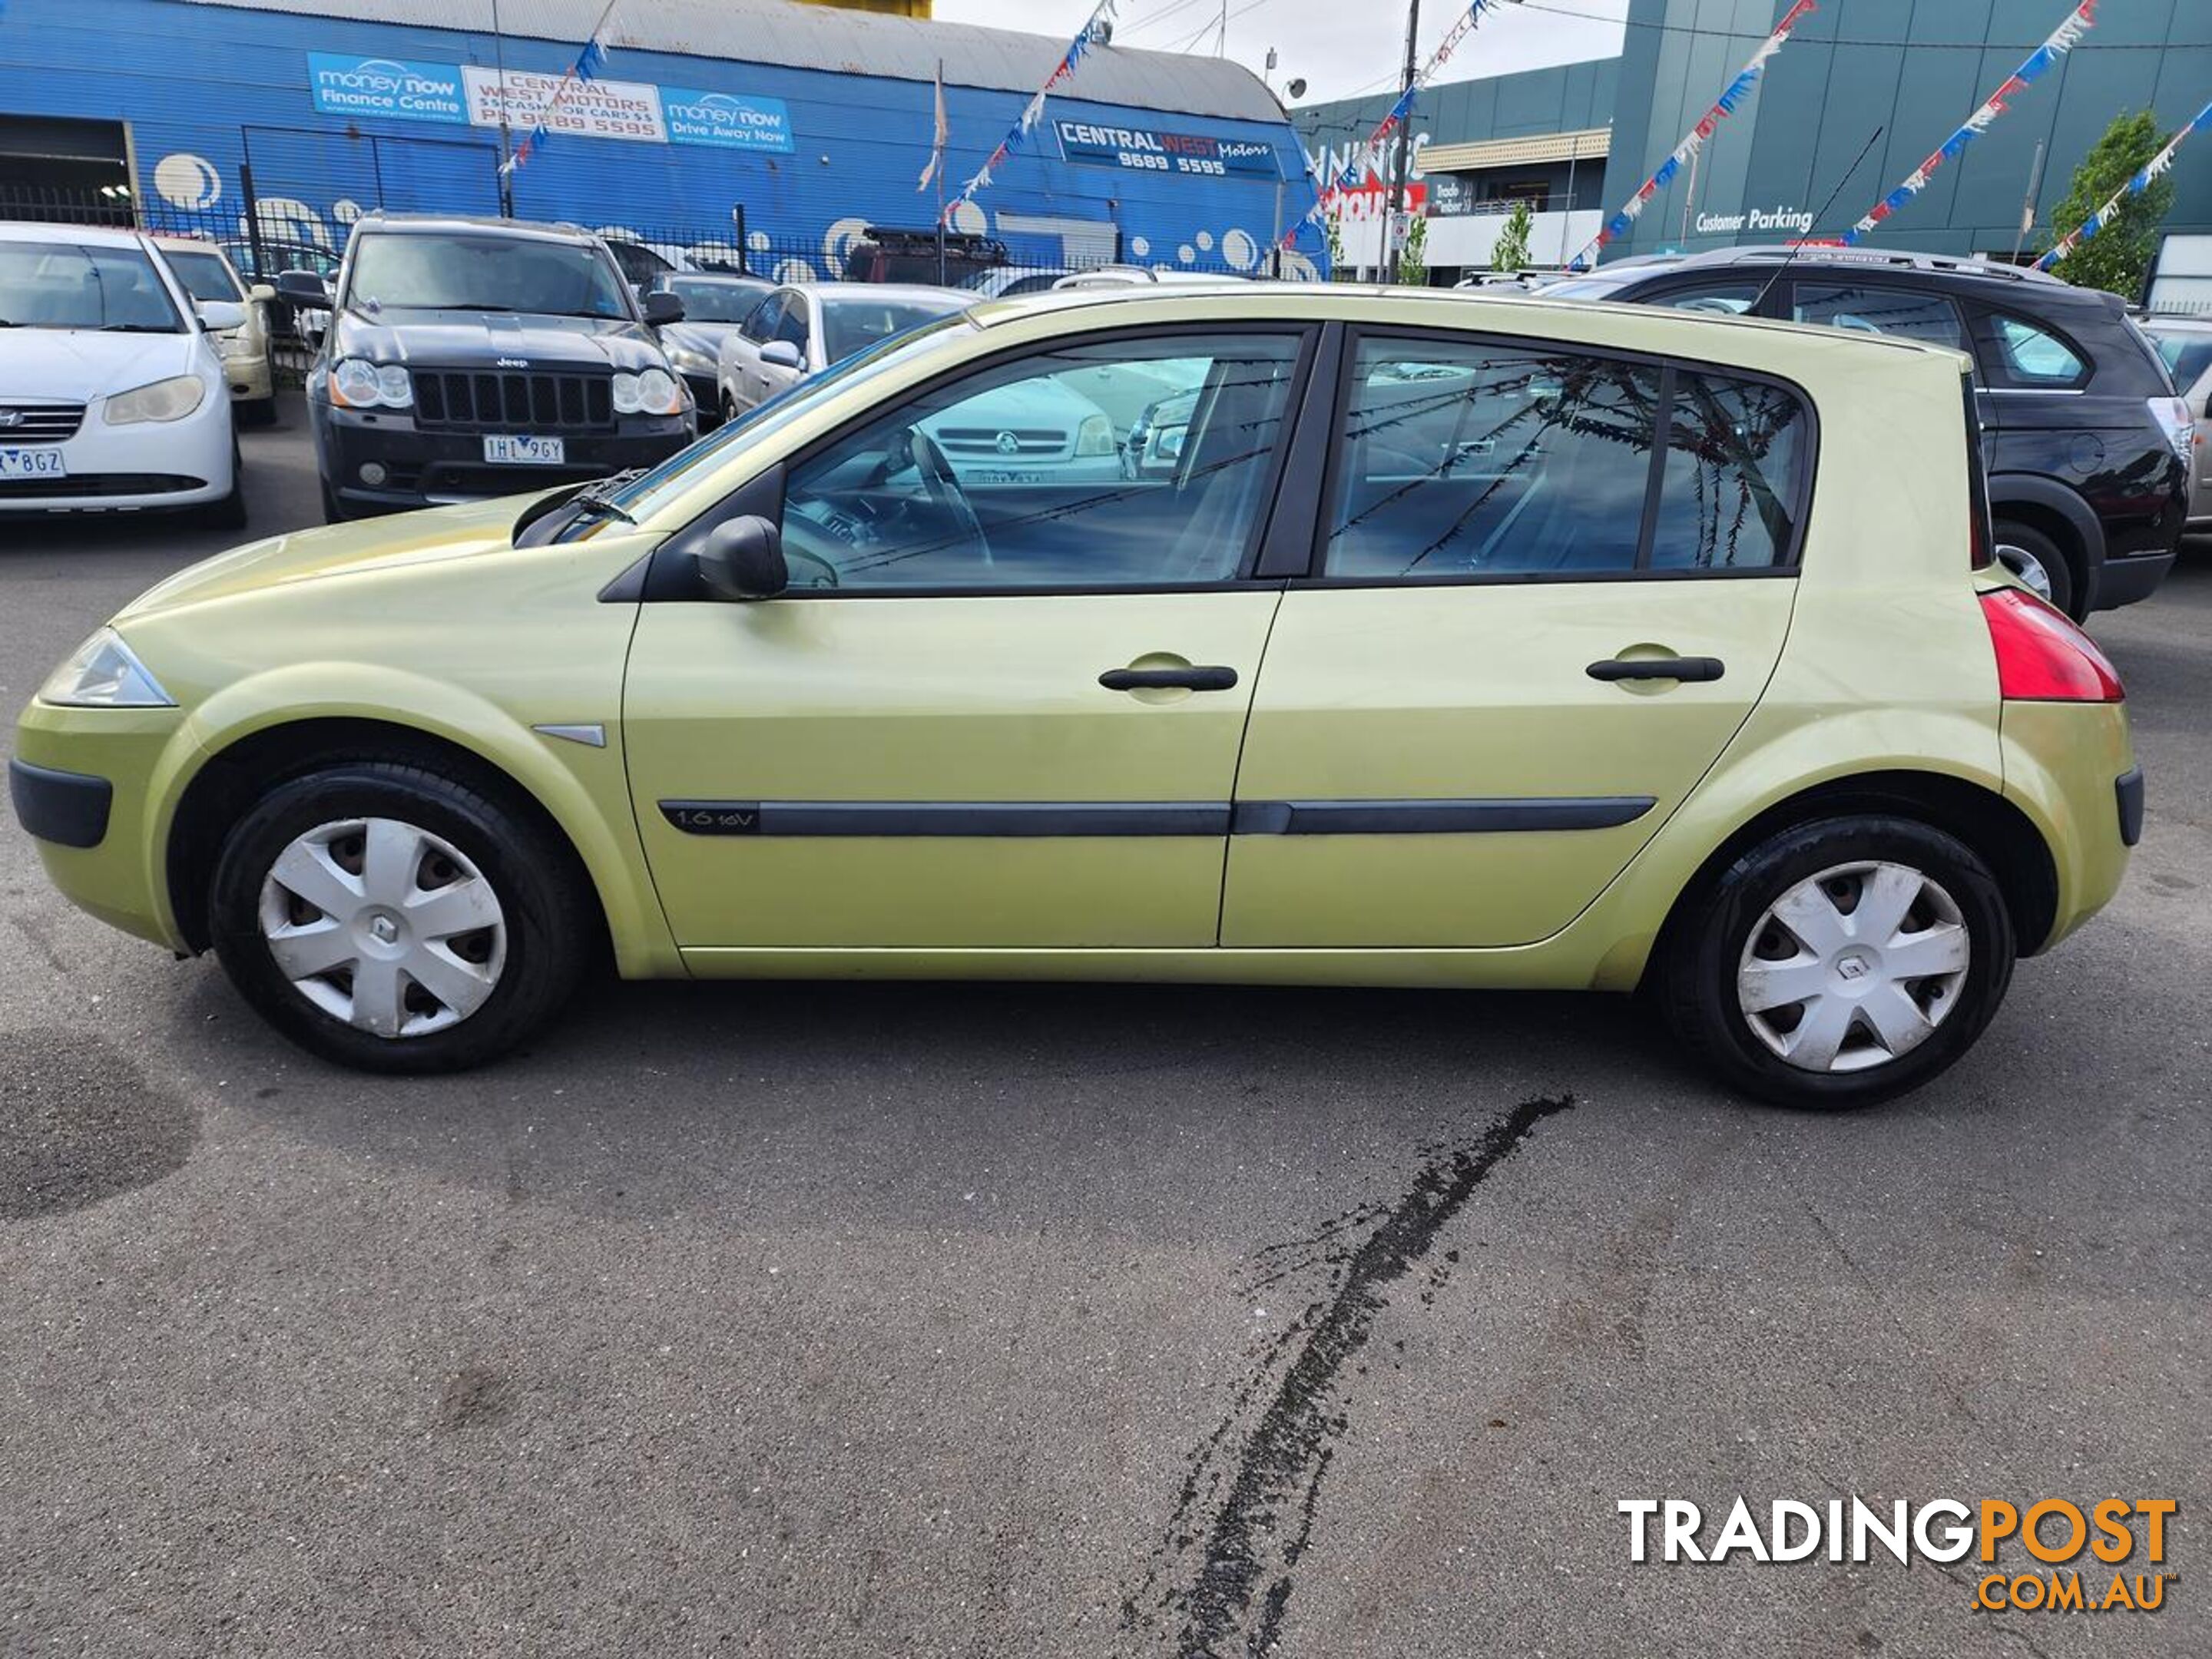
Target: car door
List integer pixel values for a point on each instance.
(796, 327)
(1550, 587)
(968, 726)
(740, 359)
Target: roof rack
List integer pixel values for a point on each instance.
(1886, 258)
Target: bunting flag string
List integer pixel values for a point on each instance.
(2135, 187)
(1329, 181)
(1694, 140)
(2078, 22)
(1033, 112)
(588, 64)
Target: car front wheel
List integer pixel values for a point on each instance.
(1841, 963)
(390, 919)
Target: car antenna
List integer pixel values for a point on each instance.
(1759, 299)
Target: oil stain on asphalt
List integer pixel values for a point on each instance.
(79, 1123)
(1221, 1577)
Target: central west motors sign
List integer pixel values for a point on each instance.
(725, 118)
(389, 86)
(1146, 149)
(523, 100)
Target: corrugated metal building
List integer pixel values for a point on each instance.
(812, 122)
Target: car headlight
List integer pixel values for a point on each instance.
(163, 400)
(357, 383)
(104, 674)
(654, 393)
(1094, 436)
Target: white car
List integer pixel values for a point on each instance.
(799, 330)
(206, 274)
(1137, 277)
(112, 397)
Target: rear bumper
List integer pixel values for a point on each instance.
(2070, 767)
(428, 468)
(2124, 581)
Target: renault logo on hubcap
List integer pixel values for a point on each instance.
(386, 929)
(1852, 967)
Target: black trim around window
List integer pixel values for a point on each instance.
(1018, 819)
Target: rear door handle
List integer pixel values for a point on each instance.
(1197, 677)
(1657, 668)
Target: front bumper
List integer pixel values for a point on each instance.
(249, 378)
(68, 809)
(436, 468)
(147, 465)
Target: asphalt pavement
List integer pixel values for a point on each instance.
(848, 1320)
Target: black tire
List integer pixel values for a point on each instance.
(1707, 943)
(549, 913)
(258, 411)
(2047, 553)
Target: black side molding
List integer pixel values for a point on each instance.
(1434, 817)
(70, 809)
(1071, 818)
(2129, 788)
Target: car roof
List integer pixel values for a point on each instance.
(468, 223)
(31, 230)
(2179, 322)
(1812, 257)
(187, 244)
(1237, 299)
(828, 291)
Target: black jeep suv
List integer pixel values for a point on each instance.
(2084, 442)
(473, 357)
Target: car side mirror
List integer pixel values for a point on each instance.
(662, 307)
(219, 316)
(743, 560)
(303, 287)
(261, 291)
(781, 353)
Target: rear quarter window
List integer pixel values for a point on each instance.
(2032, 356)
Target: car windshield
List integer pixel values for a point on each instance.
(2187, 355)
(706, 300)
(412, 271)
(64, 284)
(204, 274)
(650, 490)
(854, 322)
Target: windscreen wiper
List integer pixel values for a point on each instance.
(597, 500)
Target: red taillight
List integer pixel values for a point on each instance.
(2044, 658)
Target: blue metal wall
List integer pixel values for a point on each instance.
(205, 88)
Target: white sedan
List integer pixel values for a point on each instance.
(112, 396)
(799, 330)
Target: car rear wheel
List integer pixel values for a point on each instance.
(2039, 562)
(1841, 963)
(392, 920)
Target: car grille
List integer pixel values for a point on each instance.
(99, 483)
(1027, 440)
(457, 400)
(39, 423)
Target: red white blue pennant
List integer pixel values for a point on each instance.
(2135, 187)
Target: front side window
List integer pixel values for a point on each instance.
(419, 272)
(791, 322)
(65, 284)
(1104, 465)
(2034, 356)
(1869, 308)
(760, 321)
(1464, 458)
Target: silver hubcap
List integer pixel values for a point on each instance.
(2026, 566)
(1853, 967)
(383, 926)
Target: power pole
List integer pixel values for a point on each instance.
(1401, 154)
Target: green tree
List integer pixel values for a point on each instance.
(2118, 256)
(1511, 251)
(1335, 229)
(1413, 257)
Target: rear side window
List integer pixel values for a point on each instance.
(1460, 457)
(1720, 299)
(1871, 309)
(2034, 356)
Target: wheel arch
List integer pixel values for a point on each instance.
(2060, 513)
(233, 776)
(1994, 827)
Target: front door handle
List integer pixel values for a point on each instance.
(1657, 668)
(1196, 677)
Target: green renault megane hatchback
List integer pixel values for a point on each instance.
(1420, 639)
